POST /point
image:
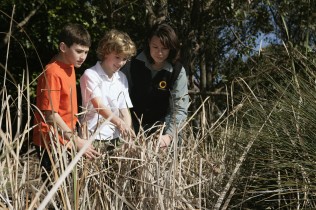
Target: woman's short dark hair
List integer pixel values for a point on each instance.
(168, 38)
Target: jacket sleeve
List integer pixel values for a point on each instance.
(178, 105)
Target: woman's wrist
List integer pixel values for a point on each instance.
(170, 137)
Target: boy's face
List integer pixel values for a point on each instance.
(75, 54)
(113, 62)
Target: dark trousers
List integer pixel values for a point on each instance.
(45, 162)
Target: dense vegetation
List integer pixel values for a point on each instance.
(249, 141)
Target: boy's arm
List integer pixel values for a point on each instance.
(51, 116)
(126, 117)
(106, 113)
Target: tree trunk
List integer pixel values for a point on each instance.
(157, 11)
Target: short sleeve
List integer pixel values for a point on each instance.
(48, 92)
(90, 85)
(124, 99)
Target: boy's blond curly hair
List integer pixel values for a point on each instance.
(118, 42)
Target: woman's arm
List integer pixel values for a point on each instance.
(178, 104)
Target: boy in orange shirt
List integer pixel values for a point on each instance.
(56, 97)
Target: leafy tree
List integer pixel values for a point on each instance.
(217, 36)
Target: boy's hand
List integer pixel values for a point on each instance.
(90, 153)
(126, 131)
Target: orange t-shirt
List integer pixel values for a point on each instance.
(56, 90)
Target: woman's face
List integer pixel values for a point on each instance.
(157, 50)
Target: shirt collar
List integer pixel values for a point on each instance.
(101, 72)
(66, 67)
(142, 57)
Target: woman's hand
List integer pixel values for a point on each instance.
(164, 141)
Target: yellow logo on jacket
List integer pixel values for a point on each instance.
(162, 84)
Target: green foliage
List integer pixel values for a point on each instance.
(279, 169)
(294, 21)
(209, 30)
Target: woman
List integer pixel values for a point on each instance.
(158, 84)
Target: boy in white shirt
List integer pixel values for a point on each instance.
(104, 91)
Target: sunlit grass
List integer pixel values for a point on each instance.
(140, 177)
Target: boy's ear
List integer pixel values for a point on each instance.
(62, 46)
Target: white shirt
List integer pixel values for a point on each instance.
(114, 93)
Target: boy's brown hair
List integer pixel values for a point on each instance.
(75, 34)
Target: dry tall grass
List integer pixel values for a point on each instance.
(141, 177)
(219, 165)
